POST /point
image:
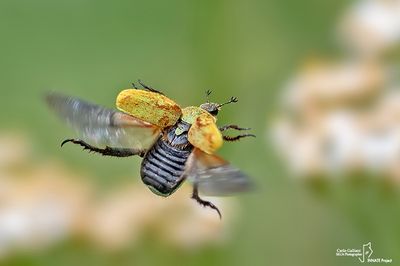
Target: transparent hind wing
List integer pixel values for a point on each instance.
(214, 176)
(103, 127)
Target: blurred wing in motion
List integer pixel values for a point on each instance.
(103, 127)
(214, 176)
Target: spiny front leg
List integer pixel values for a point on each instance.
(195, 196)
(236, 127)
(107, 151)
(229, 138)
(223, 128)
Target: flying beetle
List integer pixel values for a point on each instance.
(175, 143)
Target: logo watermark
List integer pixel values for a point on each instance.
(363, 254)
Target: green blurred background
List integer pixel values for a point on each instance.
(93, 49)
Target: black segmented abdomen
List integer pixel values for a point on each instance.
(162, 167)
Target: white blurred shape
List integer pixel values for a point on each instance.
(381, 150)
(338, 117)
(371, 27)
(342, 136)
(331, 83)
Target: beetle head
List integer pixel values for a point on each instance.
(214, 108)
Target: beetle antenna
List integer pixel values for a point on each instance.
(232, 100)
(134, 86)
(208, 92)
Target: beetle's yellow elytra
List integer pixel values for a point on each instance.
(151, 107)
(204, 134)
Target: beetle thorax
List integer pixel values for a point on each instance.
(191, 113)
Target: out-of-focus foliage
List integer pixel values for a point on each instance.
(58, 205)
(44, 203)
(342, 116)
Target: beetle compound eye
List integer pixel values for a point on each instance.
(214, 112)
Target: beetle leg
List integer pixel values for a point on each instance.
(229, 138)
(223, 128)
(195, 196)
(107, 151)
(149, 88)
(236, 127)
